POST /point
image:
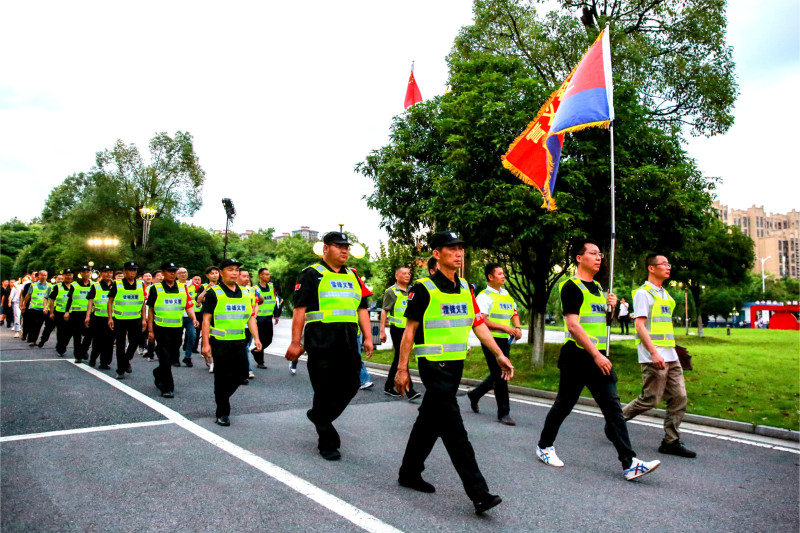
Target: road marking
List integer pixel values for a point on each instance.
(114, 427)
(347, 511)
(33, 360)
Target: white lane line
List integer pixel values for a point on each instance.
(33, 360)
(113, 427)
(347, 511)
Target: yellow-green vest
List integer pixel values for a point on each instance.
(80, 300)
(501, 311)
(659, 325)
(592, 315)
(397, 317)
(101, 300)
(267, 307)
(231, 315)
(168, 310)
(62, 297)
(38, 295)
(446, 323)
(128, 303)
(339, 297)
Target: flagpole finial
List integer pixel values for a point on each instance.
(412, 65)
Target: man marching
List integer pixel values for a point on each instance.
(97, 319)
(126, 315)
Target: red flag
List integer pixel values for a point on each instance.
(413, 96)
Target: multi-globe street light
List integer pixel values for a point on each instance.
(148, 214)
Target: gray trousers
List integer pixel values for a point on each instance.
(657, 384)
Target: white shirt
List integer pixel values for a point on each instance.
(623, 309)
(13, 296)
(642, 306)
(485, 301)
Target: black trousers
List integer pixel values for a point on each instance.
(26, 323)
(397, 337)
(130, 329)
(334, 375)
(624, 324)
(230, 370)
(264, 326)
(81, 335)
(495, 380)
(63, 333)
(35, 319)
(168, 349)
(578, 370)
(440, 416)
(49, 326)
(9, 312)
(102, 340)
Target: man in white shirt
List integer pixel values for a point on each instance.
(624, 317)
(662, 375)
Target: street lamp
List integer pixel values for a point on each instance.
(230, 212)
(148, 214)
(763, 277)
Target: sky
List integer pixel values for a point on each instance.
(284, 99)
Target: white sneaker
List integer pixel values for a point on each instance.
(294, 370)
(251, 375)
(548, 456)
(211, 368)
(16, 335)
(640, 468)
(367, 385)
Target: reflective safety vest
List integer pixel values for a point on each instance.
(38, 295)
(397, 317)
(80, 300)
(267, 307)
(231, 315)
(339, 297)
(501, 311)
(659, 324)
(592, 315)
(128, 303)
(62, 297)
(101, 300)
(446, 323)
(168, 310)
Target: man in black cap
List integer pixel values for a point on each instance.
(126, 316)
(440, 313)
(166, 302)
(59, 295)
(227, 313)
(97, 319)
(49, 311)
(75, 313)
(331, 301)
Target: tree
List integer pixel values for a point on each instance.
(15, 235)
(441, 168)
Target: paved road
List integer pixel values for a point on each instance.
(128, 460)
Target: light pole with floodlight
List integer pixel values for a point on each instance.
(763, 277)
(148, 214)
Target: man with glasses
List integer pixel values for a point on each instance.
(583, 363)
(662, 375)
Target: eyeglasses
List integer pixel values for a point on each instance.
(663, 264)
(598, 254)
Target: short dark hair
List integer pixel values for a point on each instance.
(396, 270)
(210, 268)
(118, 272)
(490, 268)
(651, 259)
(579, 246)
(260, 270)
(432, 263)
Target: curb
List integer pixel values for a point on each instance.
(744, 427)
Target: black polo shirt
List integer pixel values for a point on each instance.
(571, 302)
(54, 290)
(319, 335)
(419, 298)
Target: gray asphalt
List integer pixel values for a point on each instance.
(165, 478)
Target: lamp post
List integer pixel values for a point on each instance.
(148, 214)
(763, 277)
(230, 212)
(101, 244)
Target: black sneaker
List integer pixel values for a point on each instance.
(413, 395)
(474, 404)
(417, 484)
(224, 421)
(485, 503)
(104, 367)
(168, 394)
(391, 392)
(676, 448)
(330, 455)
(120, 376)
(176, 364)
(129, 369)
(92, 363)
(188, 362)
(262, 366)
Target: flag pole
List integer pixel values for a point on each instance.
(613, 237)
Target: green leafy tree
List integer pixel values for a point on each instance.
(441, 168)
(15, 235)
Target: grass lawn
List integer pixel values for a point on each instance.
(752, 376)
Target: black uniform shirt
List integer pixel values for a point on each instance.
(419, 298)
(571, 302)
(319, 335)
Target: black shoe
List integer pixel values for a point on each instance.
(104, 367)
(330, 455)
(188, 362)
(195, 351)
(391, 392)
(129, 369)
(473, 403)
(417, 484)
(262, 366)
(60, 354)
(486, 502)
(224, 421)
(78, 361)
(676, 448)
(168, 394)
(31, 344)
(507, 421)
(246, 382)
(413, 395)
(176, 364)
(41, 344)
(92, 363)
(120, 376)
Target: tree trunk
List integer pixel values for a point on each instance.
(536, 331)
(698, 312)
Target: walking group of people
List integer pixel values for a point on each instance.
(431, 319)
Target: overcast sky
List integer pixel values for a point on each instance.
(284, 98)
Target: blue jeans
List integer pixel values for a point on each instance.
(189, 338)
(364, 376)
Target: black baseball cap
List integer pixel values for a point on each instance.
(169, 265)
(229, 262)
(335, 237)
(84, 267)
(67, 271)
(130, 265)
(106, 268)
(444, 238)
